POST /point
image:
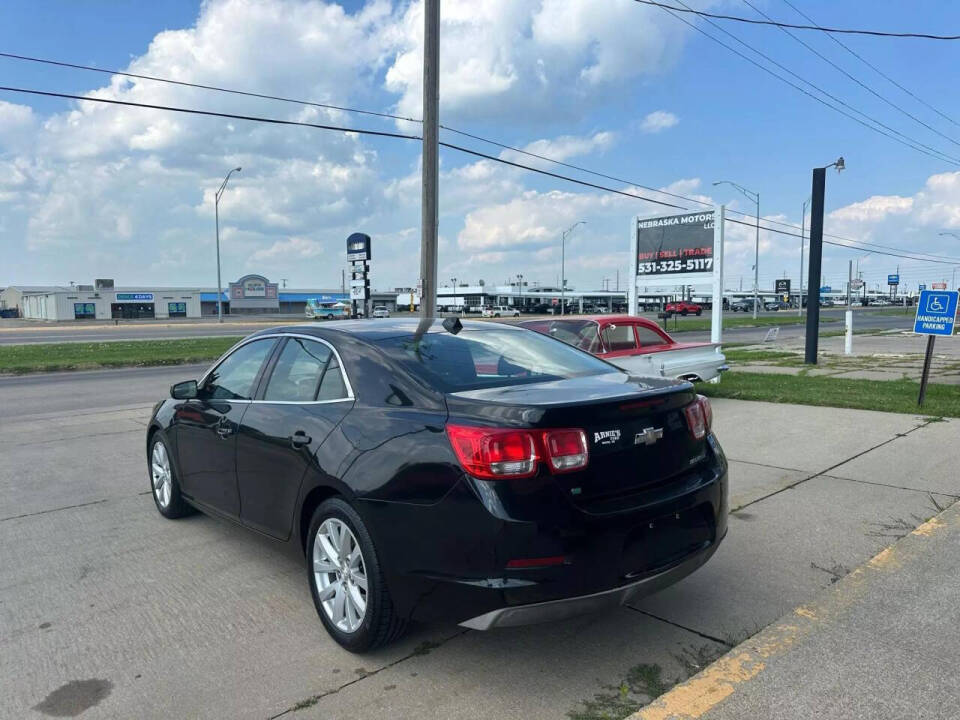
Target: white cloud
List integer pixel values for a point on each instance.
(537, 60)
(658, 120)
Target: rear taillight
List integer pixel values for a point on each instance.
(566, 449)
(492, 453)
(500, 453)
(699, 417)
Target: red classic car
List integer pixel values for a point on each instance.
(635, 344)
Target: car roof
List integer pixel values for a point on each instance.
(601, 319)
(380, 328)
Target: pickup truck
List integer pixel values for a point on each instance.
(500, 311)
(684, 308)
(637, 345)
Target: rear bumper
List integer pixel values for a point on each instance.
(570, 607)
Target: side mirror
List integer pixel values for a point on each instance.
(186, 390)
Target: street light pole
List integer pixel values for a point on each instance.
(803, 220)
(429, 209)
(216, 211)
(563, 257)
(755, 196)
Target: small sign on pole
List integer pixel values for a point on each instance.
(936, 315)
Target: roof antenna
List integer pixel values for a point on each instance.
(452, 325)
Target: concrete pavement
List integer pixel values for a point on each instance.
(110, 610)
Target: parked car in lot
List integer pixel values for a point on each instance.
(684, 308)
(742, 305)
(637, 345)
(380, 311)
(773, 305)
(472, 472)
(500, 311)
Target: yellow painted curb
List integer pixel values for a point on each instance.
(719, 680)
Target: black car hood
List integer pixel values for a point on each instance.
(569, 391)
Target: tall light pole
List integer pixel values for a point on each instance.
(216, 211)
(520, 287)
(803, 220)
(816, 260)
(755, 196)
(956, 237)
(563, 258)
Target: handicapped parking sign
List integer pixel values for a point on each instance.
(936, 312)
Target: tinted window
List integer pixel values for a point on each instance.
(619, 337)
(296, 376)
(579, 333)
(647, 337)
(233, 378)
(332, 386)
(489, 358)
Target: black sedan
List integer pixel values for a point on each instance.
(473, 472)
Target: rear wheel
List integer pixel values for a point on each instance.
(699, 313)
(330, 317)
(683, 312)
(348, 586)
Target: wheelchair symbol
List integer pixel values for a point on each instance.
(937, 304)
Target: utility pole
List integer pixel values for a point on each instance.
(431, 121)
(816, 260)
(563, 259)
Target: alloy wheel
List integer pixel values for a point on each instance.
(162, 478)
(340, 575)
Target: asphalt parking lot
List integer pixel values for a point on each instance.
(109, 610)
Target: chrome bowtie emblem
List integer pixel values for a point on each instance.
(648, 436)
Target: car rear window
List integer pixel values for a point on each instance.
(475, 359)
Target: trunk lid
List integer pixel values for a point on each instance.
(637, 434)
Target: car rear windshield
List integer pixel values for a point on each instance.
(475, 359)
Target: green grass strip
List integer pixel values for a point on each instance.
(898, 396)
(47, 357)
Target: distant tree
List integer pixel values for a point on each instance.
(481, 283)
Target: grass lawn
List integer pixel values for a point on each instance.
(679, 323)
(886, 395)
(91, 355)
(738, 356)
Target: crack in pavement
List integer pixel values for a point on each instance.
(926, 491)
(416, 652)
(76, 437)
(704, 635)
(826, 471)
(766, 465)
(44, 512)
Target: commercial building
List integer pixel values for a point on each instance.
(250, 294)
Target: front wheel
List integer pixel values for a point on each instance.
(348, 586)
(683, 312)
(330, 317)
(164, 482)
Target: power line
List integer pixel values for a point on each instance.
(233, 91)
(183, 83)
(277, 121)
(902, 139)
(874, 67)
(843, 31)
(856, 80)
(848, 246)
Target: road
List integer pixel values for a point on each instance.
(110, 610)
(14, 332)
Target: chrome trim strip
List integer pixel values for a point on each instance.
(568, 607)
(343, 370)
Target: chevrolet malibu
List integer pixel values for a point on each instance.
(463, 471)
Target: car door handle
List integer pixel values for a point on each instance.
(300, 439)
(224, 429)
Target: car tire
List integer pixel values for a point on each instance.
(329, 317)
(164, 484)
(380, 623)
(699, 313)
(683, 313)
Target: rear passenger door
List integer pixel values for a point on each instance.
(303, 396)
(620, 346)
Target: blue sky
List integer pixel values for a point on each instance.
(128, 194)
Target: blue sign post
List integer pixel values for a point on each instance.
(893, 279)
(936, 315)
